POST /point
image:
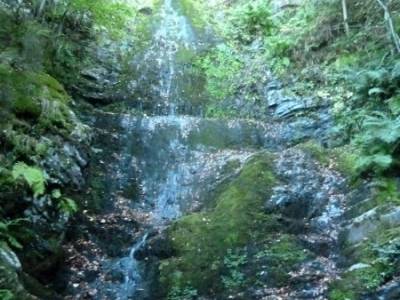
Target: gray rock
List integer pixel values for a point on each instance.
(9, 258)
(289, 106)
(10, 266)
(362, 226)
(97, 73)
(390, 291)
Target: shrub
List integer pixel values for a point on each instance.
(379, 140)
(251, 20)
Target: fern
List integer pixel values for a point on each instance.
(376, 162)
(6, 295)
(7, 233)
(379, 140)
(34, 176)
(67, 206)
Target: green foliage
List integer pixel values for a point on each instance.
(6, 295)
(371, 118)
(281, 254)
(221, 67)
(251, 20)
(34, 176)
(66, 205)
(379, 140)
(387, 191)
(186, 293)
(8, 232)
(112, 15)
(233, 262)
(374, 86)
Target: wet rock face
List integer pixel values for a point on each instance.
(301, 118)
(66, 166)
(311, 202)
(311, 192)
(97, 84)
(158, 247)
(390, 291)
(364, 225)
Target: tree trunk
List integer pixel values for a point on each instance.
(41, 8)
(389, 23)
(345, 17)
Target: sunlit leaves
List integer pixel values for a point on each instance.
(32, 175)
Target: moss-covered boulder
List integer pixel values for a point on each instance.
(37, 97)
(201, 240)
(371, 245)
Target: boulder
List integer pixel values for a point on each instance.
(10, 267)
(369, 222)
(158, 246)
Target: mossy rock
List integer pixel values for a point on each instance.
(357, 283)
(344, 158)
(373, 261)
(36, 96)
(201, 240)
(281, 253)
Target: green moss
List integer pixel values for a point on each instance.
(343, 158)
(354, 284)
(201, 240)
(281, 254)
(38, 97)
(346, 158)
(316, 151)
(337, 293)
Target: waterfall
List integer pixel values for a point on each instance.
(178, 161)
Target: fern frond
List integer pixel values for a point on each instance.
(34, 176)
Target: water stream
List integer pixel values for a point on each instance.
(178, 160)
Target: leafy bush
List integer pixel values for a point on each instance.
(371, 118)
(374, 86)
(379, 141)
(251, 20)
(221, 67)
(34, 176)
(112, 15)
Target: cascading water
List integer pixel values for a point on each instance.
(173, 34)
(178, 160)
